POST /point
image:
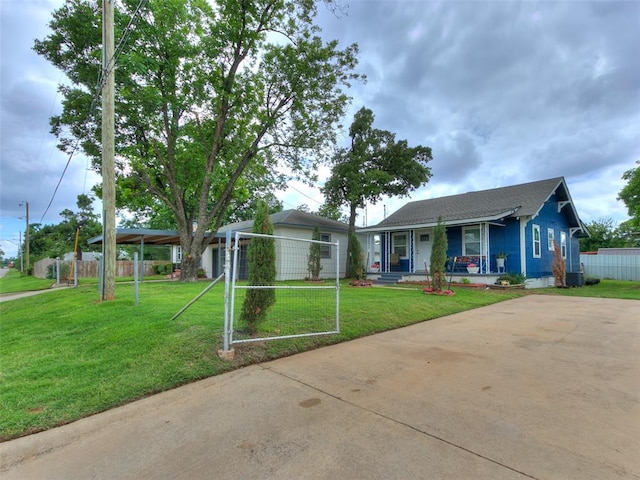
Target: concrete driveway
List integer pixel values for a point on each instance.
(538, 387)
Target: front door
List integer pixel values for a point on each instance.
(423, 249)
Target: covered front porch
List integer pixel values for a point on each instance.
(473, 249)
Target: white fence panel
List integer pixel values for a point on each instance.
(617, 267)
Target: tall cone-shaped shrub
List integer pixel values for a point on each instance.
(315, 256)
(357, 258)
(439, 255)
(261, 256)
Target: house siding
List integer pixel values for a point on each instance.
(550, 218)
(284, 273)
(505, 239)
(328, 264)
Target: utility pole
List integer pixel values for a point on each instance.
(20, 253)
(26, 237)
(108, 156)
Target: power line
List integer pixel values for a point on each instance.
(305, 195)
(99, 85)
(53, 104)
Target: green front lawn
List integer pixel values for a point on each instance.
(605, 289)
(14, 281)
(64, 355)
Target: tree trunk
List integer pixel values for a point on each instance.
(189, 267)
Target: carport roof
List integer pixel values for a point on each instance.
(285, 218)
(136, 236)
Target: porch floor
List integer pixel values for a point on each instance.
(397, 277)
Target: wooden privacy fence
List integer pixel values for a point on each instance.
(89, 269)
(617, 267)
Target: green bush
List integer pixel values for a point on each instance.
(512, 278)
(163, 269)
(314, 261)
(51, 271)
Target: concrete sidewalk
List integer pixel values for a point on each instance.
(537, 387)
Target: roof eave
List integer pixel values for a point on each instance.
(466, 221)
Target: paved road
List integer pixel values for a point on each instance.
(539, 387)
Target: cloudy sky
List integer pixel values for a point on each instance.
(504, 92)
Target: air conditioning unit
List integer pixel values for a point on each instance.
(574, 279)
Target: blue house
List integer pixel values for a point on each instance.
(520, 222)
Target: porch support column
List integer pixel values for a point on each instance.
(523, 245)
(484, 246)
(387, 250)
(412, 250)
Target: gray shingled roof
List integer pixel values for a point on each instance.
(517, 200)
(291, 218)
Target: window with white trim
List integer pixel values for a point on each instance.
(399, 244)
(535, 229)
(471, 241)
(325, 250)
(550, 239)
(179, 254)
(563, 244)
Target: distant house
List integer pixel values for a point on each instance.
(288, 223)
(521, 221)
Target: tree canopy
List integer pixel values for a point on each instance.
(630, 195)
(52, 241)
(212, 101)
(374, 165)
(602, 234)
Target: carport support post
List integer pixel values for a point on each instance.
(100, 267)
(142, 257)
(226, 353)
(135, 278)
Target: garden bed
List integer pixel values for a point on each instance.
(517, 286)
(453, 284)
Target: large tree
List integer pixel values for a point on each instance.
(210, 97)
(630, 195)
(375, 164)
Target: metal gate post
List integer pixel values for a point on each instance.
(226, 353)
